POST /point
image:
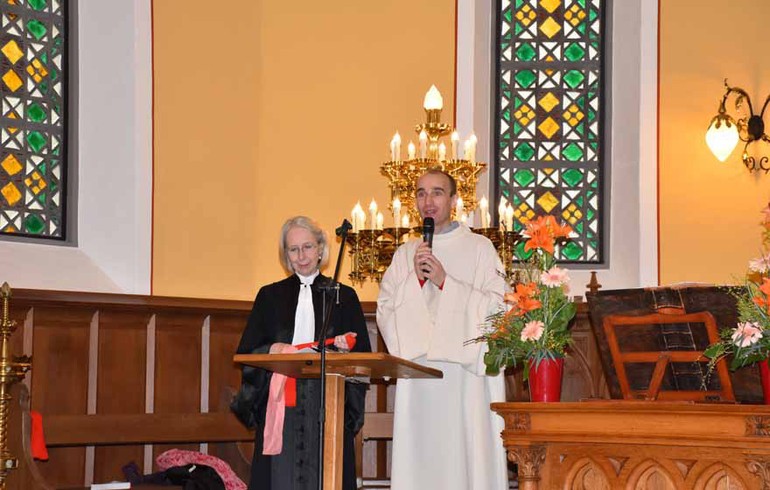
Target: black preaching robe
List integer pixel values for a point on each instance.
(272, 320)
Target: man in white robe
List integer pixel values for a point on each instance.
(431, 301)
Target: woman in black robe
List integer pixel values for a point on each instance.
(270, 327)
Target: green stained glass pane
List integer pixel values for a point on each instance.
(573, 78)
(524, 152)
(579, 227)
(572, 176)
(572, 152)
(507, 16)
(525, 52)
(516, 201)
(517, 29)
(519, 3)
(35, 112)
(36, 28)
(33, 224)
(572, 251)
(37, 4)
(517, 102)
(524, 177)
(41, 198)
(521, 254)
(507, 114)
(579, 201)
(525, 78)
(574, 52)
(582, 3)
(590, 214)
(516, 127)
(35, 140)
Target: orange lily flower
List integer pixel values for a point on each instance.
(540, 239)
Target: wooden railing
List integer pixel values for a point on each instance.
(113, 373)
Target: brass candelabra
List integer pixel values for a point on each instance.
(12, 370)
(372, 248)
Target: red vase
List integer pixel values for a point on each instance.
(545, 380)
(764, 376)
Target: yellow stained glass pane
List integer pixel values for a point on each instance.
(12, 51)
(10, 193)
(550, 5)
(547, 201)
(548, 102)
(550, 27)
(12, 80)
(11, 165)
(548, 127)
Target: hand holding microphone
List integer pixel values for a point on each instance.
(426, 265)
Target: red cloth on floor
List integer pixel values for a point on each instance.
(179, 457)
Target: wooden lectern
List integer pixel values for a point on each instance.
(375, 365)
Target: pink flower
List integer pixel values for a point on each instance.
(532, 330)
(746, 334)
(760, 264)
(555, 276)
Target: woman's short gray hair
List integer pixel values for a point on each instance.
(312, 227)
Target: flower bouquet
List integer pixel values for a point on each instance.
(749, 341)
(535, 327)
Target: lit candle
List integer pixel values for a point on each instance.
(509, 218)
(473, 141)
(423, 144)
(355, 215)
(395, 148)
(380, 220)
(459, 208)
(467, 150)
(373, 214)
(361, 219)
(410, 150)
(433, 99)
(441, 152)
(396, 211)
(405, 221)
(489, 219)
(484, 210)
(464, 218)
(455, 144)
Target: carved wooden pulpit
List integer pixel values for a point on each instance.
(375, 365)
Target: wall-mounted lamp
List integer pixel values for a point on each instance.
(724, 132)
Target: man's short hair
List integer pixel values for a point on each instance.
(438, 171)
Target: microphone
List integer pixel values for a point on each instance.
(344, 228)
(428, 226)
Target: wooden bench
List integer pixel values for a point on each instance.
(101, 362)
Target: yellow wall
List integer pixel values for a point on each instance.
(266, 109)
(709, 211)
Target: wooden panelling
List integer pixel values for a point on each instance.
(60, 380)
(178, 367)
(120, 383)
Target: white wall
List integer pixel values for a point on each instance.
(114, 131)
(633, 191)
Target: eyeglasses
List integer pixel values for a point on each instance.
(306, 249)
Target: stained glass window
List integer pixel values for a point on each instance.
(32, 123)
(549, 117)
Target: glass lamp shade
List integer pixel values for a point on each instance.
(722, 137)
